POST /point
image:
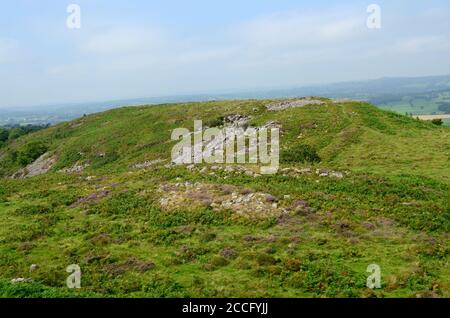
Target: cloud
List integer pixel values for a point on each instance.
(292, 29)
(420, 44)
(126, 40)
(285, 48)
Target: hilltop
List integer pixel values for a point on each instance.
(357, 186)
(427, 95)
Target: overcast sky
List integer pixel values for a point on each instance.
(144, 48)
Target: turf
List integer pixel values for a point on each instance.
(391, 208)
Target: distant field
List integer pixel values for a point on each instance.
(431, 117)
(423, 104)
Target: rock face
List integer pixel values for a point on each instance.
(42, 165)
(235, 125)
(295, 103)
(236, 121)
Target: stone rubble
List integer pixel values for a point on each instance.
(247, 204)
(147, 164)
(294, 103)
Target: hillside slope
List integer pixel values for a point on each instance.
(111, 202)
(356, 136)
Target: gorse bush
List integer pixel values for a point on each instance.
(300, 153)
(216, 122)
(34, 209)
(4, 135)
(437, 122)
(30, 152)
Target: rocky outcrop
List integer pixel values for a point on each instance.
(242, 202)
(294, 103)
(42, 165)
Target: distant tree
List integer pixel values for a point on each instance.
(437, 121)
(4, 135)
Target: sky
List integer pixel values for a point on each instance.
(144, 48)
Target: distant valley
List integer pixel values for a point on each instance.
(413, 96)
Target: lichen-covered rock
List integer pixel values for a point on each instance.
(294, 103)
(247, 204)
(41, 165)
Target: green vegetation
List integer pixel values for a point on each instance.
(300, 154)
(390, 207)
(12, 133)
(30, 152)
(437, 122)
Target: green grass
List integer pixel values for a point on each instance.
(392, 209)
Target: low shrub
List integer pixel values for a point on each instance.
(30, 152)
(300, 153)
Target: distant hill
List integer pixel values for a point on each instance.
(417, 96)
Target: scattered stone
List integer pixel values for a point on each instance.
(77, 168)
(336, 174)
(236, 120)
(33, 267)
(254, 205)
(294, 103)
(410, 204)
(20, 280)
(147, 164)
(272, 124)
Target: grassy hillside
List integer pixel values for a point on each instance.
(156, 230)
